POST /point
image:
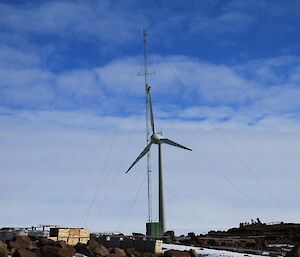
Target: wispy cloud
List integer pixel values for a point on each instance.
(255, 89)
(65, 19)
(69, 89)
(227, 22)
(58, 148)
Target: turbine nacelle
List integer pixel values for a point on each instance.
(156, 138)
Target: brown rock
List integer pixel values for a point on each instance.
(3, 249)
(193, 253)
(148, 255)
(84, 249)
(61, 244)
(32, 247)
(100, 250)
(66, 252)
(23, 241)
(168, 240)
(13, 245)
(295, 252)
(170, 233)
(92, 244)
(132, 251)
(176, 253)
(45, 241)
(119, 252)
(23, 253)
(37, 252)
(52, 251)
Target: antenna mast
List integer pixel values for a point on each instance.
(148, 129)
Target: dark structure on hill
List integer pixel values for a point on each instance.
(253, 237)
(276, 233)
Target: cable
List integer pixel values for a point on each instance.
(249, 169)
(117, 163)
(131, 207)
(99, 185)
(236, 153)
(214, 168)
(86, 177)
(182, 203)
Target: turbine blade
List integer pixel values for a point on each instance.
(140, 156)
(151, 113)
(170, 142)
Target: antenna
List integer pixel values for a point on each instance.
(148, 129)
(153, 228)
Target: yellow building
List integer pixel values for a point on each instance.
(71, 236)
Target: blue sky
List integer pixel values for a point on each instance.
(72, 111)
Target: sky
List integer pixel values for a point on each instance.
(72, 112)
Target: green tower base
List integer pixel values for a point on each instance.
(153, 229)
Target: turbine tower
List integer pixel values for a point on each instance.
(158, 139)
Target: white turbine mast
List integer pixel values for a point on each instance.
(155, 138)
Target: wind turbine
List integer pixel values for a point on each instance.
(158, 139)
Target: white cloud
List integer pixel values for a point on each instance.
(227, 22)
(211, 83)
(80, 84)
(26, 87)
(116, 75)
(250, 90)
(14, 58)
(118, 23)
(52, 152)
(46, 151)
(81, 21)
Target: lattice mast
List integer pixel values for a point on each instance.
(148, 128)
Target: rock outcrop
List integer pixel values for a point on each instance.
(176, 253)
(24, 247)
(21, 252)
(118, 252)
(84, 249)
(295, 252)
(23, 243)
(97, 249)
(54, 251)
(3, 249)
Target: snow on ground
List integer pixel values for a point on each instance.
(207, 252)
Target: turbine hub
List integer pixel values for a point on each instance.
(155, 138)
